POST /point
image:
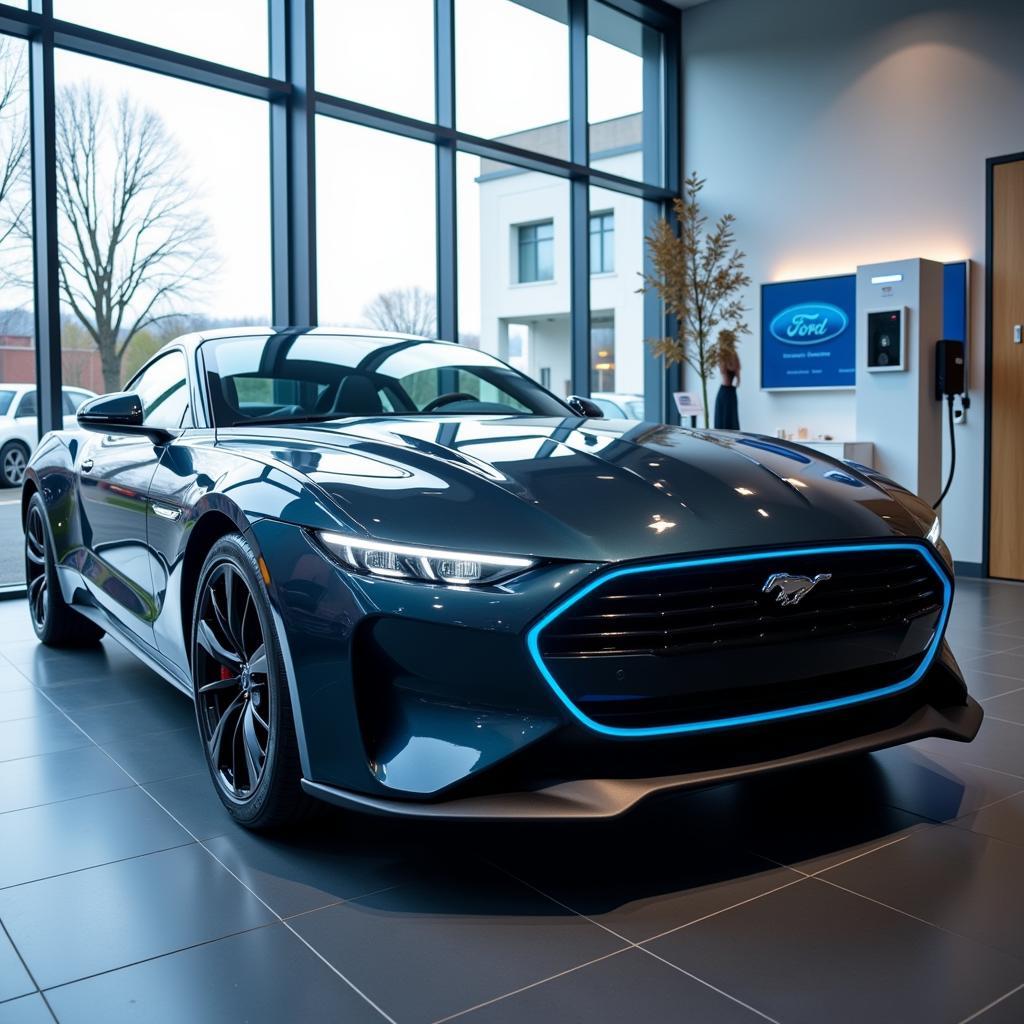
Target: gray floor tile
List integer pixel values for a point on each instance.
(452, 941)
(10, 678)
(940, 789)
(42, 734)
(953, 878)
(998, 745)
(26, 1010)
(1008, 1010)
(1003, 820)
(14, 979)
(808, 819)
(159, 755)
(55, 838)
(311, 869)
(17, 704)
(216, 983)
(67, 774)
(982, 685)
(113, 688)
(625, 986)
(193, 800)
(1009, 706)
(1005, 663)
(136, 718)
(80, 924)
(811, 953)
(47, 665)
(640, 881)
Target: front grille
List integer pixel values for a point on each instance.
(656, 645)
(681, 611)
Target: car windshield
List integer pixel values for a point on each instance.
(292, 377)
(6, 397)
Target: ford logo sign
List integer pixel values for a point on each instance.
(809, 323)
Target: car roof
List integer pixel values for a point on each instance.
(195, 339)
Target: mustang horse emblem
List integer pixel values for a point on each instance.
(792, 589)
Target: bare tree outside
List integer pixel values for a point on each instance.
(133, 242)
(14, 191)
(405, 311)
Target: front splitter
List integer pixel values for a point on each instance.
(608, 798)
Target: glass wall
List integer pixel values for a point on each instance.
(512, 72)
(476, 169)
(232, 32)
(156, 189)
(616, 307)
(18, 398)
(379, 53)
(513, 257)
(624, 90)
(376, 220)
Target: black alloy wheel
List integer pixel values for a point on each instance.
(35, 567)
(234, 697)
(55, 622)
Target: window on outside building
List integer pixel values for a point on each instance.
(536, 251)
(602, 242)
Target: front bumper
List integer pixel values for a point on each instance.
(420, 700)
(596, 798)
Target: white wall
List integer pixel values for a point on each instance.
(509, 200)
(848, 133)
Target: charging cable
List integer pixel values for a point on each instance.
(952, 452)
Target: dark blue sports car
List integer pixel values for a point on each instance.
(399, 575)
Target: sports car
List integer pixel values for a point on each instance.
(397, 574)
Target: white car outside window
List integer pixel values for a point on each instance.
(19, 426)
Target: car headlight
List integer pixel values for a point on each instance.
(934, 531)
(431, 565)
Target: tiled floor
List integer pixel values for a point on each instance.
(886, 889)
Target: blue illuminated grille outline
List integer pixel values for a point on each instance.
(533, 638)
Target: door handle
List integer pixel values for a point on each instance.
(87, 465)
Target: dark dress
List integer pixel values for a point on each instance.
(727, 409)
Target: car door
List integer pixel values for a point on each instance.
(114, 475)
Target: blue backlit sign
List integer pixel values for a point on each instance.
(809, 324)
(808, 333)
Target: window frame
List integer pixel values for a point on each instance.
(606, 242)
(533, 244)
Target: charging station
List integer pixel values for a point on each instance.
(899, 321)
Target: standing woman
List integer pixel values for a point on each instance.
(727, 411)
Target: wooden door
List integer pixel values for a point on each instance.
(1006, 524)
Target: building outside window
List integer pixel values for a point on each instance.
(536, 251)
(602, 242)
(503, 179)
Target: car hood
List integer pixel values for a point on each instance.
(591, 490)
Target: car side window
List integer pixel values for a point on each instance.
(29, 405)
(163, 389)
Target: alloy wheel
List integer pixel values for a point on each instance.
(35, 566)
(14, 466)
(233, 690)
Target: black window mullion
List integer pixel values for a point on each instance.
(293, 164)
(447, 205)
(43, 143)
(579, 201)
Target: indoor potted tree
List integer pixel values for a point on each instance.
(698, 273)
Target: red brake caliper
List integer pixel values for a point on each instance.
(225, 672)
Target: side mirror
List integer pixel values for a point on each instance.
(585, 407)
(119, 413)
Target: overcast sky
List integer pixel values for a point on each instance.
(375, 192)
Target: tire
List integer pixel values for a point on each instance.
(243, 707)
(14, 458)
(55, 622)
